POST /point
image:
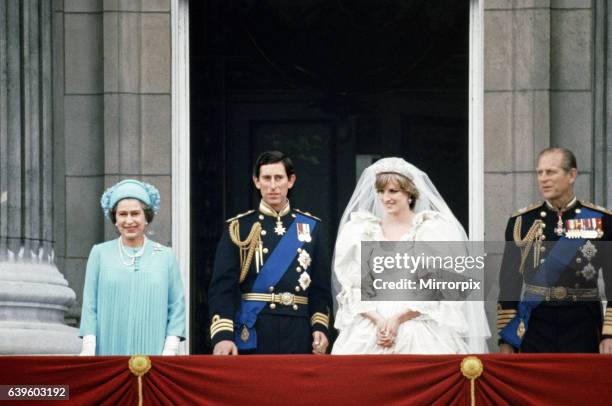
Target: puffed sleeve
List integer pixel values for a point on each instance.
(433, 227)
(176, 301)
(347, 268)
(89, 310)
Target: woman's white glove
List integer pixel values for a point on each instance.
(171, 345)
(89, 345)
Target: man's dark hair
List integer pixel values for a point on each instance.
(273, 157)
(148, 212)
(569, 159)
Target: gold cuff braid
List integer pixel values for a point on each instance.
(320, 318)
(504, 316)
(607, 325)
(218, 324)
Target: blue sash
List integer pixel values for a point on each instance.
(549, 272)
(273, 270)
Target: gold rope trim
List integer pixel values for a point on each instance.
(471, 368)
(139, 365)
(525, 244)
(248, 247)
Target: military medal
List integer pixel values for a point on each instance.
(303, 232)
(304, 280)
(520, 330)
(244, 333)
(304, 259)
(280, 228)
(589, 272)
(559, 230)
(584, 228)
(588, 250)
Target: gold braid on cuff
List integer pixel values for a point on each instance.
(607, 326)
(218, 324)
(320, 318)
(504, 316)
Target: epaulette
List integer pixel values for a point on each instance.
(596, 207)
(307, 214)
(246, 213)
(527, 209)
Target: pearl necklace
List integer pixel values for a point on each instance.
(131, 261)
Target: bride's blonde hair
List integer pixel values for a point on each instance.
(405, 184)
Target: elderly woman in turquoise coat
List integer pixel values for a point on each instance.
(133, 298)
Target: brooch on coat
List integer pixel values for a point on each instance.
(304, 280)
(304, 259)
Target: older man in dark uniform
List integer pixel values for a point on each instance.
(270, 290)
(555, 252)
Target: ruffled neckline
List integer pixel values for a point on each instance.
(372, 227)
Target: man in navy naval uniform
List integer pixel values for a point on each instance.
(270, 289)
(549, 298)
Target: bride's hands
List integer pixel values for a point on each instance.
(386, 336)
(382, 334)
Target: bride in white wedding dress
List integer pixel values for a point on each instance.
(395, 201)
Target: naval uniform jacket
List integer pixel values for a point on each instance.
(558, 325)
(280, 328)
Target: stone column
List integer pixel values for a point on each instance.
(571, 87)
(34, 295)
(517, 105)
(112, 119)
(137, 103)
(516, 115)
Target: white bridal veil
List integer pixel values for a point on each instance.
(364, 198)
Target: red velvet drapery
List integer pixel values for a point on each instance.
(548, 379)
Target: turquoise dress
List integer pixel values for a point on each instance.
(131, 309)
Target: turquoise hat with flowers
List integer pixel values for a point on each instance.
(130, 189)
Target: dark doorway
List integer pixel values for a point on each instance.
(335, 84)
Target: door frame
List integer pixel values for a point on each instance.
(181, 199)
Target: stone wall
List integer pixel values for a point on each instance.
(547, 70)
(517, 105)
(540, 91)
(571, 84)
(112, 118)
